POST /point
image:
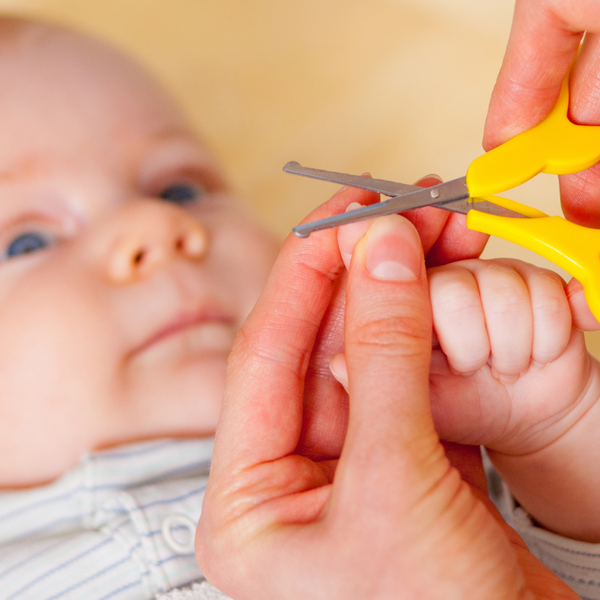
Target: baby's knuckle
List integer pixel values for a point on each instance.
(504, 301)
(549, 306)
(457, 306)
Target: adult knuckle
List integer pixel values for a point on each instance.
(394, 334)
(263, 346)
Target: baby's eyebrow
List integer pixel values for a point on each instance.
(173, 146)
(22, 168)
(174, 131)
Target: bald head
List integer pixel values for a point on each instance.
(63, 93)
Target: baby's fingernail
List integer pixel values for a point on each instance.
(429, 180)
(350, 233)
(460, 373)
(339, 370)
(393, 250)
(504, 377)
(341, 190)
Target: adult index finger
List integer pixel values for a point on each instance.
(543, 43)
(261, 417)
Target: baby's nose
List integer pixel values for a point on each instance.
(149, 235)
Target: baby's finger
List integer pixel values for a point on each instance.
(428, 221)
(458, 317)
(348, 234)
(508, 315)
(456, 242)
(339, 369)
(581, 315)
(551, 312)
(325, 410)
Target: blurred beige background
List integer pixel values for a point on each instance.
(398, 88)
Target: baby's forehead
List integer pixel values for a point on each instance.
(65, 92)
(50, 68)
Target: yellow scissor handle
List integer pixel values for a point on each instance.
(574, 248)
(556, 145)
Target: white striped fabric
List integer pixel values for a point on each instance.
(576, 563)
(118, 526)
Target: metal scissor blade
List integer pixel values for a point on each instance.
(438, 195)
(366, 212)
(463, 206)
(389, 188)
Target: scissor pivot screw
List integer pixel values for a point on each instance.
(434, 193)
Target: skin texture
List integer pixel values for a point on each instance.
(531, 399)
(357, 519)
(315, 492)
(118, 327)
(542, 48)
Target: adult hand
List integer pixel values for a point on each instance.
(370, 508)
(542, 46)
(444, 234)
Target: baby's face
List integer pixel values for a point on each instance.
(126, 266)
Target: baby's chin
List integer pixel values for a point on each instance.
(178, 396)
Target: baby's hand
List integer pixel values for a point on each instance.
(509, 370)
(513, 374)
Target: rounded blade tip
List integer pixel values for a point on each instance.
(292, 164)
(301, 232)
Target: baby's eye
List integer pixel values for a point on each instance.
(30, 241)
(182, 193)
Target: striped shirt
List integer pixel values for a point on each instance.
(577, 563)
(118, 526)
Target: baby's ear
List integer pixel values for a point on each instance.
(581, 314)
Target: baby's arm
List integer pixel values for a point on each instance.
(513, 374)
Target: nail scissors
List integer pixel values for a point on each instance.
(556, 145)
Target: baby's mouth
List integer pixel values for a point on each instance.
(209, 331)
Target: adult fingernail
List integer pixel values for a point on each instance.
(393, 249)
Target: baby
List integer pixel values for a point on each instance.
(513, 375)
(127, 267)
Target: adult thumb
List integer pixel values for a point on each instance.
(388, 346)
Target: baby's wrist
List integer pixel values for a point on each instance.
(558, 485)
